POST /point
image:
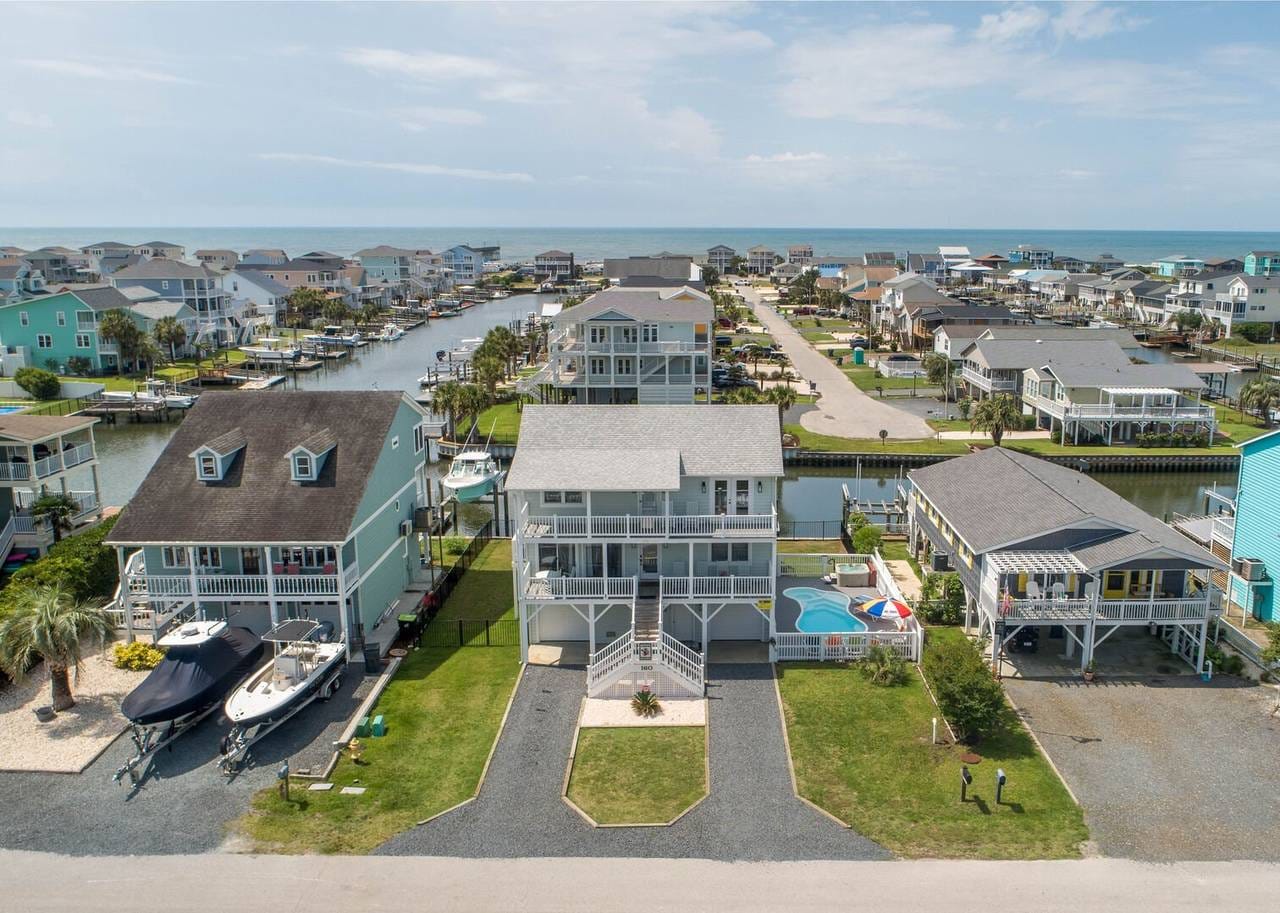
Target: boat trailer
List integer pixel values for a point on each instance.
(147, 743)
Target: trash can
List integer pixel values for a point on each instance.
(859, 355)
(410, 625)
(372, 659)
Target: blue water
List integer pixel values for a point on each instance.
(6, 410)
(594, 243)
(823, 611)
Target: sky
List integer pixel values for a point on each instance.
(1059, 115)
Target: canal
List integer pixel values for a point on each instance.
(127, 451)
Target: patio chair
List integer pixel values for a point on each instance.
(1059, 590)
(1033, 590)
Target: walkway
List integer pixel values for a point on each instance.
(269, 884)
(842, 410)
(751, 813)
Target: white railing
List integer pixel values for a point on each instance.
(884, 580)
(609, 660)
(844, 647)
(580, 587)
(814, 564)
(683, 660)
(15, 472)
(307, 585)
(1224, 530)
(987, 382)
(1165, 413)
(351, 573)
(730, 586)
(81, 453)
(643, 526)
(48, 465)
(232, 585)
(6, 538)
(1140, 610)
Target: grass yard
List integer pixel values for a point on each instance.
(504, 418)
(865, 378)
(897, 550)
(443, 710)
(862, 752)
(640, 774)
(809, 546)
(826, 442)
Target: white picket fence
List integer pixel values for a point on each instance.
(846, 647)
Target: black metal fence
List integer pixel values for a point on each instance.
(444, 585)
(809, 529)
(472, 632)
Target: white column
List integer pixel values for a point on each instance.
(591, 630)
(342, 597)
(271, 585)
(125, 599)
(191, 574)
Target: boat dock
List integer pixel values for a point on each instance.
(136, 410)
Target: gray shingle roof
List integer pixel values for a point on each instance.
(261, 280)
(997, 498)
(1118, 335)
(104, 298)
(1176, 377)
(1008, 354)
(642, 304)
(382, 250)
(162, 268)
(642, 447)
(257, 501)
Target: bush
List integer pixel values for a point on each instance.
(968, 696)
(867, 539)
(39, 383)
(1223, 663)
(137, 656)
(857, 520)
(455, 545)
(80, 564)
(1254, 332)
(942, 599)
(79, 365)
(881, 666)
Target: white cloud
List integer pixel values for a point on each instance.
(28, 119)
(1086, 19)
(425, 65)
(786, 158)
(1012, 24)
(476, 174)
(420, 119)
(111, 72)
(1124, 89)
(1077, 174)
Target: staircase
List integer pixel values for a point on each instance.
(646, 657)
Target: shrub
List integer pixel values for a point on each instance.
(455, 545)
(867, 539)
(79, 564)
(881, 666)
(79, 365)
(965, 406)
(645, 703)
(1254, 332)
(1223, 663)
(39, 383)
(942, 599)
(137, 656)
(968, 696)
(857, 520)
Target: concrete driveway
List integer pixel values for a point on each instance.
(843, 410)
(1166, 766)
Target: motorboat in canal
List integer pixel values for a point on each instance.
(271, 349)
(391, 332)
(462, 351)
(334, 336)
(472, 475)
(172, 398)
(203, 662)
(307, 665)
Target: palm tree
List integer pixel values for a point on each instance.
(489, 370)
(170, 332)
(148, 351)
(57, 509)
(937, 367)
(741, 396)
(47, 623)
(472, 400)
(447, 399)
(370, 313)
(335, 310)
(118, 327)
(782, 397)
(1261, 396)
(302, 304)
(996, 415)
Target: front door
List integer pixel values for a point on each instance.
(648, 503)
(613, 559)
(251, 561)
(648, 562)
(742, 497)
(720, 502)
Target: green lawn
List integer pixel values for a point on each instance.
(897, 550)
(826, 442)
(809, 546)
(818, 336)
(443, 710)
(866, 378)
(638, 775)
(503, 418)
(862, 752)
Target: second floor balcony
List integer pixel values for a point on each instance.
(989, 380)
(644, 526)
(280, 581)
(20, 465)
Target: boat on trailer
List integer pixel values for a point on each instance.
(307, 665)
(203, 661)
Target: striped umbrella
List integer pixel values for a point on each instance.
(886, 608)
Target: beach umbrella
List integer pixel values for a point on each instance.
(886, 608)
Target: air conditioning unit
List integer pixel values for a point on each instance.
(406, 527)
(1249, 568)
(941, 561)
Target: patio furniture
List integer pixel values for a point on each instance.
(1059, 590)
(293, 569)
(852, 575)
(1033, 590)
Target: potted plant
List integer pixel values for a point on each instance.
(1089, 671)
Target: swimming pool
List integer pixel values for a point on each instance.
(5, 410)
(823, 611)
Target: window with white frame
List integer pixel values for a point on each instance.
(302, 467)
(84, 341)
(44, 341)
(627, 333)
(598, 334)
(24, 318)
(599, 366)
(173, 556)
(561, 497)
(209, 556)
(649, 332)
(62, 318)
(208, 464)
(419, 438)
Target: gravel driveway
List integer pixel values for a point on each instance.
(751, 813)
(1167, 767)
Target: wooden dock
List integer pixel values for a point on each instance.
(110, 410)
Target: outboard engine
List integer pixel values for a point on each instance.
(440, 354)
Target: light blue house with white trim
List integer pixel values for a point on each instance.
(1255, 545)
(270, 505)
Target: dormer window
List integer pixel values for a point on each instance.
(303, 468)
(209, 467)
(215, 457)
(308, 458)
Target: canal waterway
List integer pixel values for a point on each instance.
(127, 451)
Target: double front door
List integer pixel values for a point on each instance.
(731, 496)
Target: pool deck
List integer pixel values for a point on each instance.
(788, 610)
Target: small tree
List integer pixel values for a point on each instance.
(38, 382)
(965, 406)
(79, 365)
(969, 697)
(57, 510)
(936, 367)
(882, 666)
(170, 332)
(1261, 396)
(47, 624)
(996, 415)
(118, 327)
(867, 539)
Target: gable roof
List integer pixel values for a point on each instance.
(630, 448)
(261, 280)
(163, 268)
(20, 427)
(1038, 497)
(257, 499)
(103, 298)
(1020, 354)
(382, 250)
(1175, 377)
(683, 304)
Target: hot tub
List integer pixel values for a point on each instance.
(853, 575)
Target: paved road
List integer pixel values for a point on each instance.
(751, 814)
(843, 410)
(36, 883)
(1167, 767)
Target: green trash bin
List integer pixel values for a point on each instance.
(859, 356)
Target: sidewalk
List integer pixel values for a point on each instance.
(842, 410)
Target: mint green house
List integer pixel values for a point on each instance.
(1255, 547)
(266, 506)
(1262, 263)
(48, 331)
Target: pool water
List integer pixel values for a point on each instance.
(823, 611)
(6, 410)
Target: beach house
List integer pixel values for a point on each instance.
(266, 506)
(1037, 544)
(217, 319)
(642, 529)
(1255, 547)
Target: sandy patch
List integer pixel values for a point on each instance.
(613, 712)
(77, 736)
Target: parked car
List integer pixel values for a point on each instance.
(857, 342)
(724, 342)
(724, 323)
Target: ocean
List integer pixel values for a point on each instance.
(595, 243)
